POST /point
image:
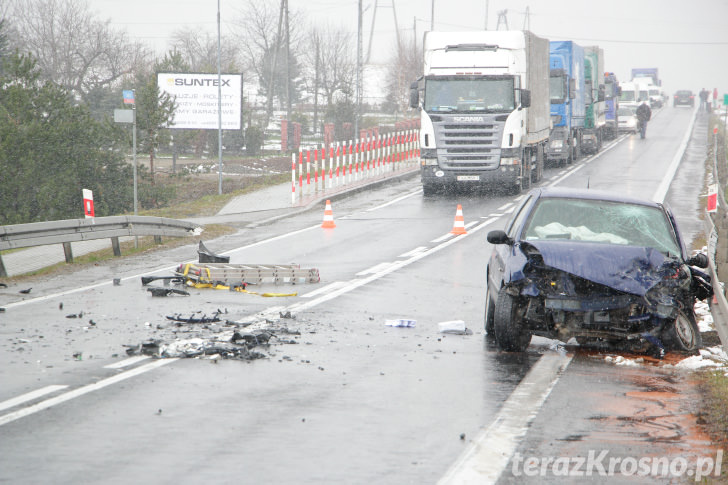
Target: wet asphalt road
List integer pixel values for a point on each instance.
(353, 400)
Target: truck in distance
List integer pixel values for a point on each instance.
(484, 99)
(567, 102)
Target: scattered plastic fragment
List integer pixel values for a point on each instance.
(456, 327)
(401, 322)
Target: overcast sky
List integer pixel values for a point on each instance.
(686, 40)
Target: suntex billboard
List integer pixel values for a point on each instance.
(195, 96)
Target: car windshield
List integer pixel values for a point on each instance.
(600, 221)
(625, 111)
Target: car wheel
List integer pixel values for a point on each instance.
(489, 314)
(510, 332)
(682, 334)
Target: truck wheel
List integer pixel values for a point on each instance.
(526, 170)
(682, 334)
(489, 314)
(510, 332)
(537, 174)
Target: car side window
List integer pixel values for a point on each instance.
(518, 216)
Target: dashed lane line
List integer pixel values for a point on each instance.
(67, 396)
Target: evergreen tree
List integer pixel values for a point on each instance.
(51, 148)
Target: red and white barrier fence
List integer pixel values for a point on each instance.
(321, 170)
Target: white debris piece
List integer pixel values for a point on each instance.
(400, 322)
(456, 327)
(619, 360)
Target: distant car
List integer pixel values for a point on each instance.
(627, 119)
(684, 97)
(655, 93)
(606, 269)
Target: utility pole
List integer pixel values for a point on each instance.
(486, 13)
(396, 29)
(358, 71)
(219, 108)
(289, 132)
(315, 88)
(527, 19)
(276, 48)
(432, 16)
(502, 16)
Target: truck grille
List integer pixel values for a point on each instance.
(470, 145)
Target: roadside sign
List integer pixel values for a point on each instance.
(712, 198)
(124, 115)
(725, 100)
(128, 96)
(88, 203)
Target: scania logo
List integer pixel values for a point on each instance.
(468, 118)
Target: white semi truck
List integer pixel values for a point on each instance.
(485, 109)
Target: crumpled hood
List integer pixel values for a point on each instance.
(631, 269)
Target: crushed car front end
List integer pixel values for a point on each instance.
(625, 303)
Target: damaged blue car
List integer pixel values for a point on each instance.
(602, 268)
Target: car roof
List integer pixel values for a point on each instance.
(591, 194)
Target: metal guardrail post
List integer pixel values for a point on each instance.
(3, 272)
(115, 246)
(68, 253)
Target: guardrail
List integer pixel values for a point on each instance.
(719, 305)
(73, 230)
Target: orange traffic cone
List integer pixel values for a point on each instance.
(459, 226)
(328, 217)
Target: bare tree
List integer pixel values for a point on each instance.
(331, 63)
(199, 51)
(262, 36)
(74, 48)
(406, 66)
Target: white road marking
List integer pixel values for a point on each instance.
(21, 413)
(664, 186)
(29, 396)
(505, 207)
(488, 454)
(324, 289)
(442, 238)
(373, 269)
(414, 251)
(126, 362)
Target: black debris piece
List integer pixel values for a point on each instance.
(203, 319)
(167, 279)
(150, 347)
(287, 315)
(260, 338)
(3, 285)
(167, 292)
(60, 306)
(25, 291)
(207, 256)
(72, 315)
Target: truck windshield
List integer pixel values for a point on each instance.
(627, 96)
(458, 94)
(558, 89)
